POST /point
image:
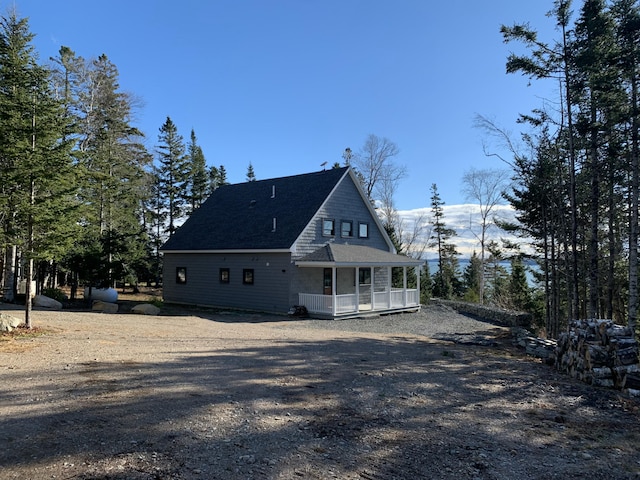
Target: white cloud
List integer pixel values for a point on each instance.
(465, 219)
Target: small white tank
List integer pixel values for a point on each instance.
(105, 294)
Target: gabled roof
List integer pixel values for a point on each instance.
(241, 216)
(340, 255)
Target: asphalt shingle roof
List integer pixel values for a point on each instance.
(349, 255)
(240, 216)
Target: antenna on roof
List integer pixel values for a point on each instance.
(323, 164)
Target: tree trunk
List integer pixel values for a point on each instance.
(633, 217)
(9, 274)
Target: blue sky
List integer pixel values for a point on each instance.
(289, 84)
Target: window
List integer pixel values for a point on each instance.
(181, 275)
(346, 229)
(224, 275)
(247, 276)
(328, 227)
(365, 276)
(363, 230)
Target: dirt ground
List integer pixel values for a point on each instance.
(197, 394)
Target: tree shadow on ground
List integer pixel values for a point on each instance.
(400, 407)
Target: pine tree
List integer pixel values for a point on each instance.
(37, 175)
(114, 161)
(446, 282)
(197, 174)
(497, 277)
(472, 275)
(627, 15)
(519, 291)
(251, 176)
(426, 284)
(172, 173)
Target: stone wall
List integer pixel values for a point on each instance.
(495, 315)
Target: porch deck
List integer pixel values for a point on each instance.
(345, 305)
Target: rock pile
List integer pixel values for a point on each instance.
(535, 346)
(601, 353)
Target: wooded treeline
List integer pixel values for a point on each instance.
(81, 198)
(577, 179)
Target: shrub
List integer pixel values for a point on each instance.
(54, 293)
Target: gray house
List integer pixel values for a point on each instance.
(267, 245)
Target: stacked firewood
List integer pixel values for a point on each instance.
(601, 353)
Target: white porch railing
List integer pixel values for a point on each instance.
(348, 303)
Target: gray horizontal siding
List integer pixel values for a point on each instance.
(269, 292)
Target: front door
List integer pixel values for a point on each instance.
(327, 281)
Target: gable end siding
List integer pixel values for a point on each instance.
(347, 204)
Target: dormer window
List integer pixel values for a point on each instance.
(328, 227)
(346, 229)
(363, 230)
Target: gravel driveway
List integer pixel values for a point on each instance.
(196, 394)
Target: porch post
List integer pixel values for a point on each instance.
(418, 270)
(357, 282)
(404, 286)
(334, 288)
(389, 278)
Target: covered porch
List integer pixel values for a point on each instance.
(349, 280)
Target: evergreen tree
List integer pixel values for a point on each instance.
(472, 275)
(217, 177)
(197, 174)
(446, 282)
(114, 162)
(172, 173)
(251, 176)
(519, 291)
(426, 284)
(497, 277)
(627, 17)
(37, 193)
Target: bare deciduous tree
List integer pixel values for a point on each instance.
(374, 163)
(485, 188)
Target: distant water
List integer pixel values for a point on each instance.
(464, 262)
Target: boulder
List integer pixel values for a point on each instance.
(46, 302)
(105, 307)
(8, 323)
(146, 309)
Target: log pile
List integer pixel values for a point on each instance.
(601, 353)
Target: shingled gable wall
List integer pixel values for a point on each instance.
(345, 203)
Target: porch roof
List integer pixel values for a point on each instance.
(337, 255)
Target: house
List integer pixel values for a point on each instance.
(311, 239)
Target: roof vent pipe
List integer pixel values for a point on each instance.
(273, 191)
(274, 224)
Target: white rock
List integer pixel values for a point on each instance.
(146, 309)
(8, 323)
(46, 302)
(105, 307)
